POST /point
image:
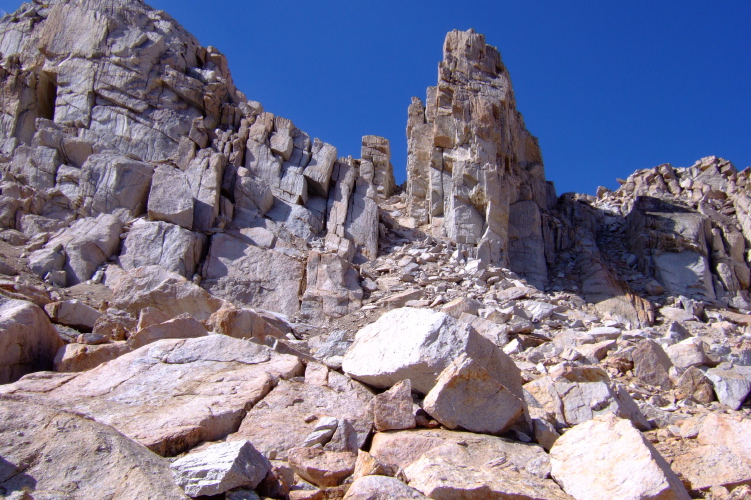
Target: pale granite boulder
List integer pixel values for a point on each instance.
(418, 344)
(606, 457)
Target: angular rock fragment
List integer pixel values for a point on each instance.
(322, 468)
(290, 413)
(466, 396)
(322, 432)
(441, 478)
(239, 271)
(652, 365)
(88, 243)
(154, 286)
(73, 313)
(732, 386)
(111, 181)
(686, 354)
(219, 468)
(461, 305)
(392, 410)
(332, 289)
(398, 449)
(181, 327)
(712, 465)
(733, 432)
(162, 244)
(575, 395)
(244, 324)
(82, 357)
(696, 385)
(606, 457)
(170, 198)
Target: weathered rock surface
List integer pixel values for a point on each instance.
(380, 488)
(154, 286)
(652, 364)
(246, 324)
(287, 416)
(88, 243)
(73, 313)
(162, 244)
(606, 457)
(732, 386)
(90, 460)
(399, 449)
(219, 468)
(731, 432)
(81, 357)
(170, 198)
(712, 465)
(320, 467)
(332, 289)
(181, 327)
(466, 396)
(392, 410)
(474, 171)
(28, 341)
(441, 479)
(245, 274)
(172, 394)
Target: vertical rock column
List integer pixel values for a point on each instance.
(377, 150)
(472, 166)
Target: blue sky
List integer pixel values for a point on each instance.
(607, 87)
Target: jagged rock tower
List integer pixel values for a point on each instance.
(474, 171)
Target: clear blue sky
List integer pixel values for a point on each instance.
(607, 87)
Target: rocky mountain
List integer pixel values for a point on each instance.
(198, 299)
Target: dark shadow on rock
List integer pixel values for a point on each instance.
(13, 479)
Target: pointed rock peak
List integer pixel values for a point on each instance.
(470, 47)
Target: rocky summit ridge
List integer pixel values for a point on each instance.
(198, 299)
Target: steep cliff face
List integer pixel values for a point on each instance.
(474, 171)
(112, 112)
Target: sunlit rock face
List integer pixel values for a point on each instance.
(474, 171)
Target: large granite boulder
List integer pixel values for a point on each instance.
(88, 243)
(162, 244)
(168, 292)
(246, 274)
(606, 457)
(418, 344)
